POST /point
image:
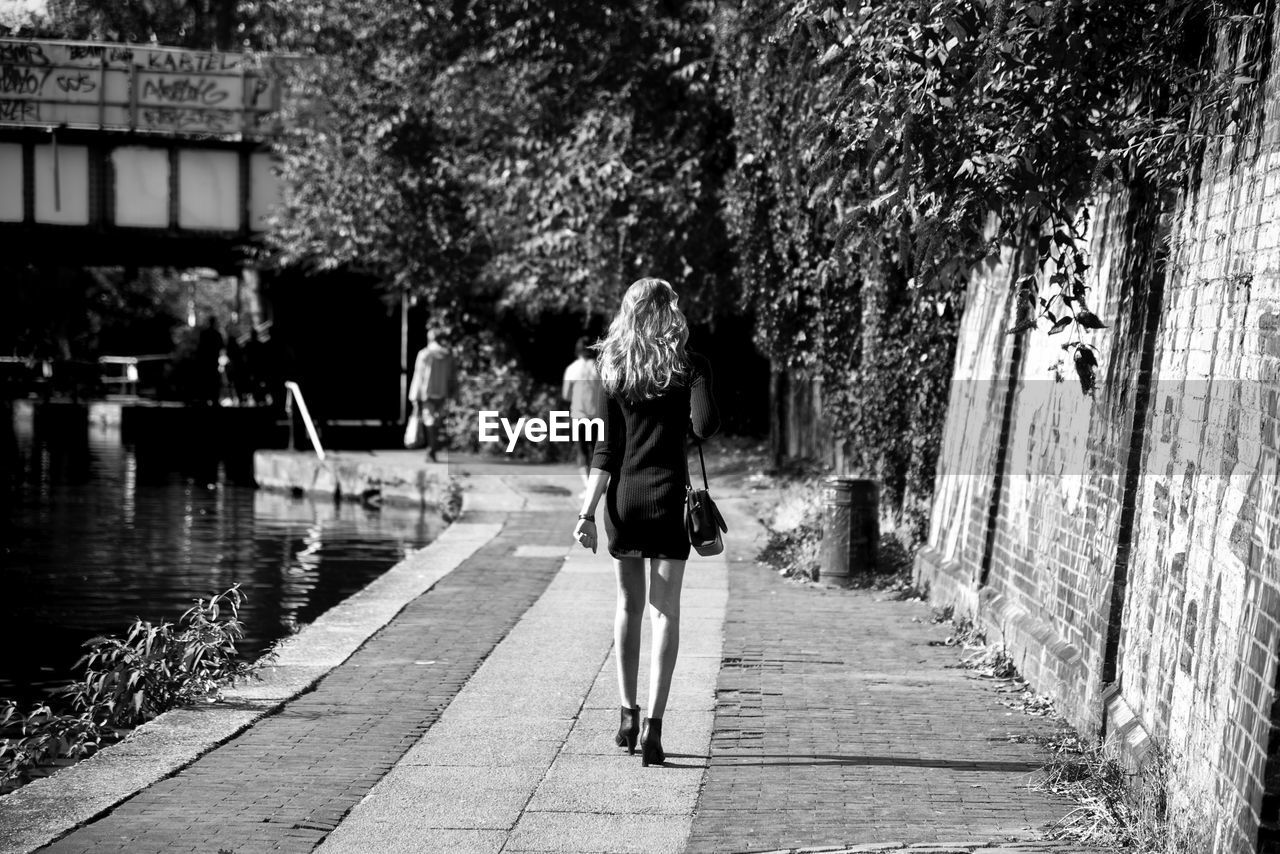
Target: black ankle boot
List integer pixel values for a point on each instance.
(628, 729)
(651, 743)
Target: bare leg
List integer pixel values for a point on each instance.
(665, 580)
(626, 625)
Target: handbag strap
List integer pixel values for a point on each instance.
(703, 464)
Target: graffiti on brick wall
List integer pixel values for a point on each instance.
(117, 87)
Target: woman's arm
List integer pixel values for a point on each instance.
(604, 465)
(613, 445)
(585, 531)
(704, 418)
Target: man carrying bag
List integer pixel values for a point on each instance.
(434, 382)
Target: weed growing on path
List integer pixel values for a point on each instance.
(992, 661)
(451, 506)
(794, 527)
(1116, 807)
(986, 659)
(1119, 807)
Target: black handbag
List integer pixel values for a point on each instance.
(702, 519)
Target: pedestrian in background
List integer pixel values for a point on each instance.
(257, 369)
(208, 363)
(656, 392)
(434, 382)
(235, 387)
(581, 387)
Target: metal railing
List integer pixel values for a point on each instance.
(292, 393)
(124, 372)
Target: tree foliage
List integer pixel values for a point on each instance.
(199, 24)
(541, 154)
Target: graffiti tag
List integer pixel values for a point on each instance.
(186, 118)
(184, 90)
(79, 83)
(22, 80)
(111, 54)
(19, 111)
(23, 53)
(196, 62)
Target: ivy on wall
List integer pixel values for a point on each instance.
(885, 148)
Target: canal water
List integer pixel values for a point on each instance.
(97, 533)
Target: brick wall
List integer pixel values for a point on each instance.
(1032, 482)
(1198, 651)
(1126, 547)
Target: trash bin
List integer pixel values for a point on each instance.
(850, 529)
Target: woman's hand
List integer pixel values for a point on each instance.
(585, 534)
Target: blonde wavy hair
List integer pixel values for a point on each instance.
(643, 354)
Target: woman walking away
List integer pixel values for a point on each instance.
(656, 391)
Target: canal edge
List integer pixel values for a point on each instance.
(403, 478)
(44, 810)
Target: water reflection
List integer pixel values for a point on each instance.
(96, 534)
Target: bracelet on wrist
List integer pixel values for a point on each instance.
(587, 517)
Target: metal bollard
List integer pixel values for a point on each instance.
(850, 528)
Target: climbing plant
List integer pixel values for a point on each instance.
(886, 148)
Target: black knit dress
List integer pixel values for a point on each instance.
(644, 452)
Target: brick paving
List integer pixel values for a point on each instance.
(284, 784)
(1022, 847)
(837, 724)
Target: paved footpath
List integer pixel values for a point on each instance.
(838, 724)
(523, 760)
(480, 719)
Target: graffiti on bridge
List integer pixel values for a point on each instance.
(113, 87)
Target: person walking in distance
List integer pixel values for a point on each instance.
(434, 382)
(581, 387)
(208, 363)
(656, 392)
